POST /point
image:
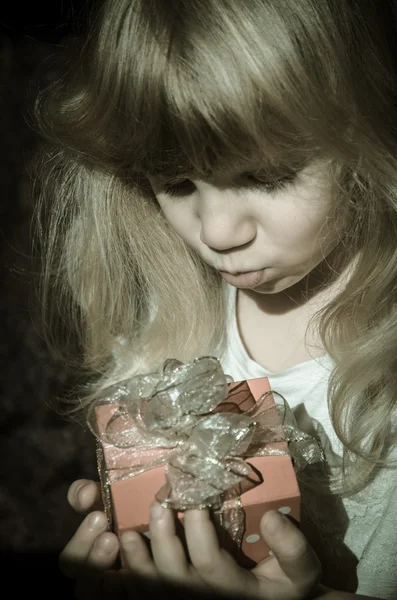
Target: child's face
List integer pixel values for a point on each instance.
(237, 230)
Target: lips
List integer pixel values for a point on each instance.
(235, 273)
(249, 279)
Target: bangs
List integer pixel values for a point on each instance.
(202, 147)
(197, 90)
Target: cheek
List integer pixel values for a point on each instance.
(180, 219)
(169, 212)
(298, 234)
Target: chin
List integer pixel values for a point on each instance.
(268, 288)
(274, 287)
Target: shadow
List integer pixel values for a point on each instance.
(39, 572)
(325, 535)
(34, 573)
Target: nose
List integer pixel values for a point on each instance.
(224, 223)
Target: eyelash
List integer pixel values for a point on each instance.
(268, 186)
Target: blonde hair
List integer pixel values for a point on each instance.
(196, 89)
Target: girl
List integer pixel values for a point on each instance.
(221, 180)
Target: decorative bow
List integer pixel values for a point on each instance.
(188, 419)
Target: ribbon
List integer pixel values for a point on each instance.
(187, 419)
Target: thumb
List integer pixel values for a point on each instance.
(84, 495)
(293, 552)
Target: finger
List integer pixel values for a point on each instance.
(136, 555)
(294, 554)
(85, 495)
(214, 565)
(92, 575)
(168, 553)
(78, 548)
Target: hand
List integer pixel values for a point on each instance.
(92, 551)
(291, 574)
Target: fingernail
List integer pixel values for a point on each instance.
(96, 520)
(107, 544)
(273, 521)
(156, 511)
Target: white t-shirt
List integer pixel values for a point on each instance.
(355, 538)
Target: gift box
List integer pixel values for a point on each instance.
(129, 491)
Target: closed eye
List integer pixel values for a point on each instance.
(186, 187)
(271, 186)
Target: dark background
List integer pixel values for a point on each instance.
(44, 21)
(41, 452)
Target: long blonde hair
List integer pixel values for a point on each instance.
(195, 89)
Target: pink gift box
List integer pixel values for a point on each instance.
(132, 497)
